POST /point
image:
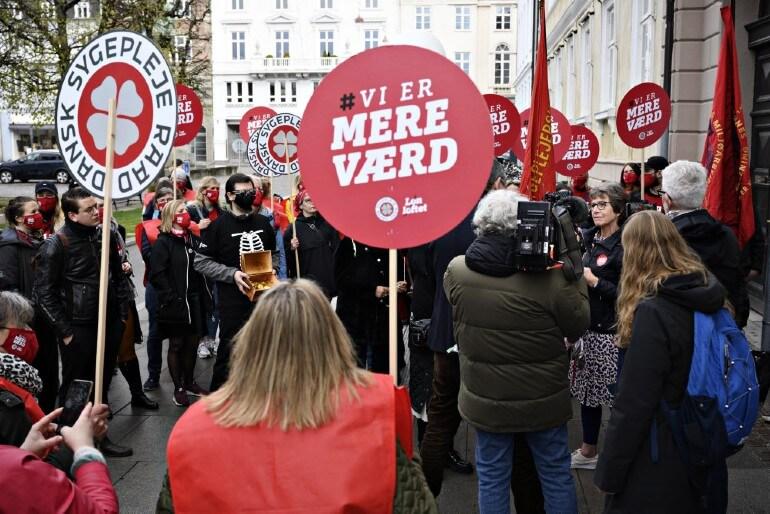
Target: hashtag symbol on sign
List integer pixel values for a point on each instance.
(347, 101)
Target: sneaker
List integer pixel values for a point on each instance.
(579, 461)
(195, 390)
(180, 398)
(203, 351)
(151, 384)
(766, 419)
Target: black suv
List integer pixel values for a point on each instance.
(38, 165)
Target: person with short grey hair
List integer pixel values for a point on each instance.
(683, 190)
(496, 214)
(15, 310)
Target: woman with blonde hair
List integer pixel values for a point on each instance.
(661, 285)
(313, 432)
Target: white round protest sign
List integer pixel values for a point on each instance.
(277, 143)
(252, 154)
(129, 68)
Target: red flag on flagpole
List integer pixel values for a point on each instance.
(539, 175)
(726, 152)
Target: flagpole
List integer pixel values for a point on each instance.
(641, 184)
(534, 46)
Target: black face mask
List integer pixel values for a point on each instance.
(245, 199)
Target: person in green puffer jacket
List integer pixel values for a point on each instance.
(510, 328)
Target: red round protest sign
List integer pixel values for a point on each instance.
(582, 154)
(643, 115)
(189, 115)
(505, 120)
(253, 119)
(560, 133)
(395, 155)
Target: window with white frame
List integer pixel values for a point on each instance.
(463, 60)
(181, 51)
(571, 78)
(327, 43)
(238, 41)
(609, 55)
(282, 43)
(236, 5)
(327, 4)
(178, 10)
(82, 10)
(239, 92)
(372, 4)
(283, 92)
(281, 4)
(644, 28)
(422, 18)
(463, 17)
(558, 84)
(503, 17)
(587, 71)
(371, 39)
(502, 65)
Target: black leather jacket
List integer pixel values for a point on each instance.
(67, 280)
(605, 258)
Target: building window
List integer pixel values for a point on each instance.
(327, 4)
(502, 65)
(236, 5)
(238, 45)
(609, 55)
(283, 92)
(199, 145)
(463, 60)
(644, 22)
(422, 18)
(281, 4)
(327, 43)
(586, 80)
(82, 10)
(571, 78)
(282, 43)
(239, 92)
(556, 101)
(372, 4)
(463, 17)
(371, 39)
(181, 50)
(503, 17)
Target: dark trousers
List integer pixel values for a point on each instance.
(230, 322)
(443, 418)
(47, 364)
(591, 418)
(154, 339)
(375, 358)
(79, 356)
(181, 359)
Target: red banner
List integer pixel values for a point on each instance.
(539, 175)
(726, 152)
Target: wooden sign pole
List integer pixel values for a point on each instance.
(173, 170)
(104, 266)
(293, 200)
(393, 313)
(641, 178)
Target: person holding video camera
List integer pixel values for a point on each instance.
(510, 324)
(593, 367)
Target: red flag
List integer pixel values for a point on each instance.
(726, 153)
(539, 175)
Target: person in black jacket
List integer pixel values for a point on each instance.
(66, 290)
(684, 187)
(315, 243)
(593, 368)
(183, 298)
(661, 285)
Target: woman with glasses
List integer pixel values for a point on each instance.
(593, 368)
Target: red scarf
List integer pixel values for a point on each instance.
(30, 404)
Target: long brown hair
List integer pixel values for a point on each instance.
(653, 250)
(289, 363)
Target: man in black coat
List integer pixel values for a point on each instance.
(684, 187)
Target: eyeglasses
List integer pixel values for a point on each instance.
(599, 205)
(90, 210)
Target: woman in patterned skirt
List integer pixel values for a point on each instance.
(594, 358)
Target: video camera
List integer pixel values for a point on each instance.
(547, 236)
(634, 207)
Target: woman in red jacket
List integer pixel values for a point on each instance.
(313, 432)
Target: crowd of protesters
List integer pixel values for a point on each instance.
(505, 349)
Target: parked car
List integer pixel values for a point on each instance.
(38, 165)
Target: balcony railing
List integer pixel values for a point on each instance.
(295, 64)
(503, 89)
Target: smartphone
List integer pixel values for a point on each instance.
(78, 395)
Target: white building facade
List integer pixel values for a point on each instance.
(275, 52)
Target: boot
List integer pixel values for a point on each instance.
(458, 464)
(110, 449)
(130, 370)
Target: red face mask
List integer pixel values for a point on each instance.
(257, 198)
(630, 177)
(47, 204)
(181, 185)
(101, 214)
(161, 205)
(212, 195)
(183, 219)
(34, 221)
(650, 179)
(22, 343)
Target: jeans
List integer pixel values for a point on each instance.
(494, 458)
(154, 339)
(212, 318)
